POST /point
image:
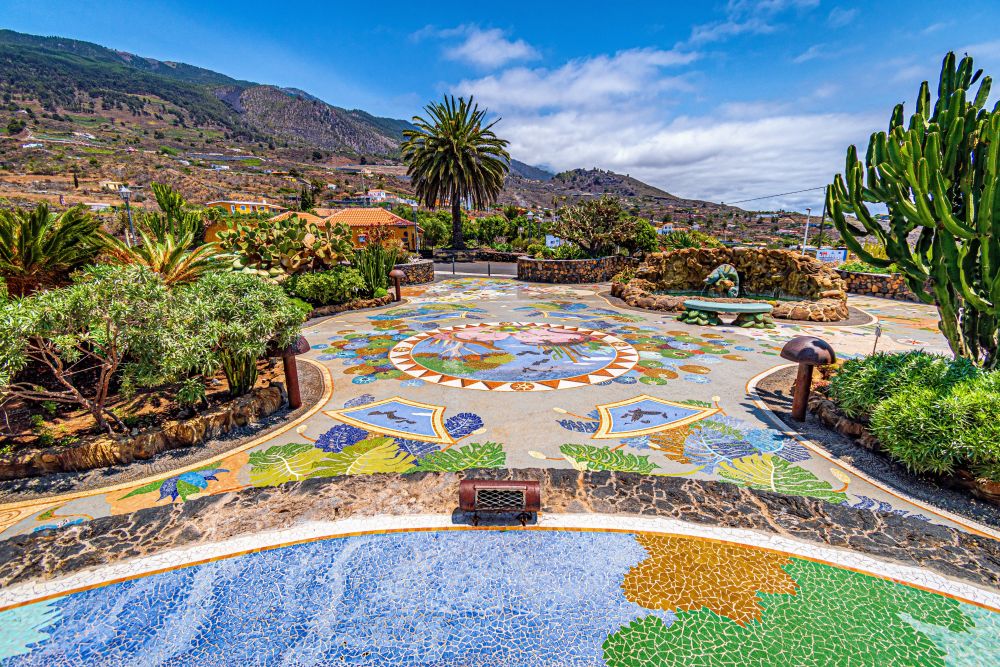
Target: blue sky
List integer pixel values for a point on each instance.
(713, 100)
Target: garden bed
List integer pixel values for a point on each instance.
(849, 444)
(355, 304)
(157, 424)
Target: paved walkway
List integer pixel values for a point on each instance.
(477, 372)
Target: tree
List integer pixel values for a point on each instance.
(236, 317)
(306, 200)
(84, 333)
(16, 126)
(435, 231)
(39, 249)
(939, 178)
(76, 180)
(596, 226)
(644, 239)
(453, 155)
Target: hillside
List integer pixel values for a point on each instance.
(84, 113)
(64, 76)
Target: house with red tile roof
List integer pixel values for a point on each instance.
(363, 220)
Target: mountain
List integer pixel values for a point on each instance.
(529, 172)
(75, 77)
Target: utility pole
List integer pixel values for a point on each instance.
(125, 193)
(805, 237)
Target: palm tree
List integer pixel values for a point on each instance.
(454, 156)
(38, 248)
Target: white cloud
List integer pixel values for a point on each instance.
(746, 17)
(839, 17)
(483, 47)
(585, 83)
(813, 52)
(613, 111)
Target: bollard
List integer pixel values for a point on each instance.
(807, 352)
(397, 276)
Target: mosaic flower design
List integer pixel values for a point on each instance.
(597, 317)
(347, 449)
(365, 355)
(180, 486)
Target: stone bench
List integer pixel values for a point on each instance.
(748, 315)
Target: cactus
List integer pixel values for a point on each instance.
(939, 178)
(279, 248)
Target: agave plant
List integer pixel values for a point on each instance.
(176, 219)
(171, 257)
(39, 249)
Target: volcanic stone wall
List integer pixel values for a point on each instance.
(570, 271)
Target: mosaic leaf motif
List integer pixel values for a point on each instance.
(589, 457)
(579, 426)
(768, 472)
(416, 448)
(682, 574)
(844, 613)
(722, 439)
(671, 443)
(358, 401)
(463, 424)
(473, 455)
(367, 457)
(283, 463)
(340, 436)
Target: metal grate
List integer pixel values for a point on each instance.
(499, 499)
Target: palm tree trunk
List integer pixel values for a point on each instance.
(457, 238)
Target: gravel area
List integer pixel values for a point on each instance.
(775, 391)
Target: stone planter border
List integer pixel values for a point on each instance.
(572, 271)
(356, 304)
(885, 285)
(104, 451)
(828, 412)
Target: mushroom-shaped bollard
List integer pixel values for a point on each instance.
(807, 352)
(397, 276)
(299, 346)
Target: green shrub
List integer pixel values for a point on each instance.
(857, 266)
(973, 409)
(912, 427)
(324, 288)
(861, 384)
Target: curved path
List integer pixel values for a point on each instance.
(477, 372)
(689, 557)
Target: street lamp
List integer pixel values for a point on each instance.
(125, 193)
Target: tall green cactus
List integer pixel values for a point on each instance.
(939, 179)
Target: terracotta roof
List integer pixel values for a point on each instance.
(368, 217)
(325, 212)
(306, 217)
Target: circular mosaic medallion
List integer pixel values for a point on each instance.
(514, 356)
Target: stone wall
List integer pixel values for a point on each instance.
(572, 271)
(475, 255)
(761, 270)
(885, 285)
(214, 518)
(418, 272)
(356, 304)
(106, 451)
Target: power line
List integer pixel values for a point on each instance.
(781, 194)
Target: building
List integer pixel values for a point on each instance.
(246, 207)
(111, 186)
(362, 220)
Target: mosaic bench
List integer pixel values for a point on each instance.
(748, 315)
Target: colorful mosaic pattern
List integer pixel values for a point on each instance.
(541, 598)
(514, 356)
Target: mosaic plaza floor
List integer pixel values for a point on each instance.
(492, 373)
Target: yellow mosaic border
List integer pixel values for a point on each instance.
(604, 411)
(437, 421)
